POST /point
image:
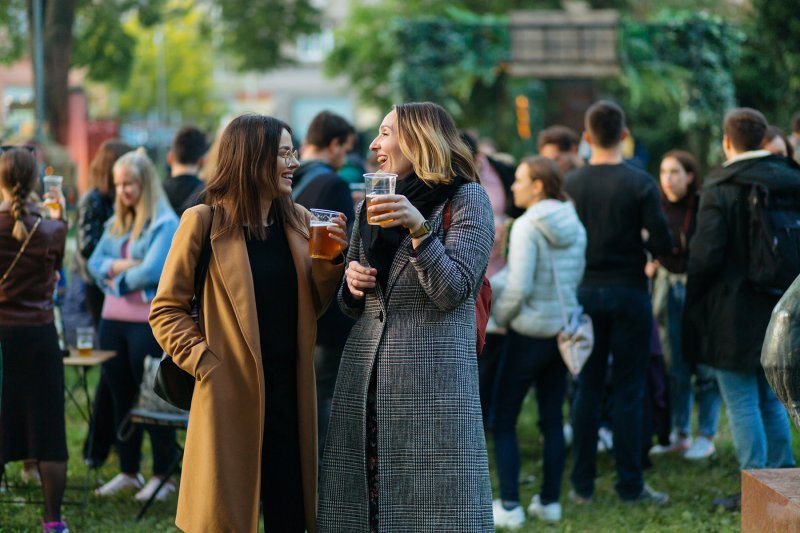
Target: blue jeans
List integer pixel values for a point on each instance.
(530, 361)
(622, 319)
(682, 394)
(759, 423)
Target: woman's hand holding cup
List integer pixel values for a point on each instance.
(391, 210)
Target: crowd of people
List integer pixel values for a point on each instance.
(352, 392)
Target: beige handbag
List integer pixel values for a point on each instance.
(576, 339)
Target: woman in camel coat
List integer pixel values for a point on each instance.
(252, 430)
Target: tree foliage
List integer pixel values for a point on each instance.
(768, 76)
(104, 44)
(451, 53)
(678, 79)
(257, 32)
(174, 54)
(13, 30)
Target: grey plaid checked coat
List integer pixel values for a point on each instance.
(432, 462)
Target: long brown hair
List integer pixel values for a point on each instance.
(101, 175)
(430, 140)
(18, 174)
(546, 170)
(246, 175)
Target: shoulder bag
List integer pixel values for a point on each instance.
(576, 340)
(173, 384)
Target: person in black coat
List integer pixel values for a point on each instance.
(726, 315)
(317, 185)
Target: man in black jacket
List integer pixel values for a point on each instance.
(317, 185)
(726, 315)
(615, 202)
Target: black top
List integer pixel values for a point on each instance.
(328, 191)
(183, 191)
(614, 203)
(275, 288)
(94, 209)
(680, 217)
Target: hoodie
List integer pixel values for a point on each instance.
(525, 294)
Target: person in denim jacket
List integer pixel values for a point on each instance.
(127, 264)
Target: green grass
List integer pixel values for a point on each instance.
(691, 486)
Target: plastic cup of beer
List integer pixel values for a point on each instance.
(52, 191)
(377, 184)
(84, 340)
(320, 244)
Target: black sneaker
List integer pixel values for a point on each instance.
(732, 503)
(650, 496)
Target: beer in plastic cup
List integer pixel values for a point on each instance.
(377, 184)
(84, 340)
(320, 244)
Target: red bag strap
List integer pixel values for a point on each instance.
(446, 216)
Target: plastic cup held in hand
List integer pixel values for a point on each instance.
(320, 244)
(376, 185)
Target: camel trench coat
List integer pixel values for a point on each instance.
(220, 484)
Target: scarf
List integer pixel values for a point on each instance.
(381, 244)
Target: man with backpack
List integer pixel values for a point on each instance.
(743, 256)
(316, 184)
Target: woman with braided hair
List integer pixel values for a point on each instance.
(32, 404)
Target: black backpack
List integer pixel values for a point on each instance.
(773, 239)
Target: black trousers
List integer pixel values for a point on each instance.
(133, 341)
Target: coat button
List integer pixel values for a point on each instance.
(380, 316)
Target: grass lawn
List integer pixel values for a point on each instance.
(691, 486)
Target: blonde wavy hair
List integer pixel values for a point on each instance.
(133, 219)
(430, 140)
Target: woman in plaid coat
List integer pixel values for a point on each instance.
(406, 449)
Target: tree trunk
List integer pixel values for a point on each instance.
(58, 17)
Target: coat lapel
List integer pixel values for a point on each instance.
(230, 254)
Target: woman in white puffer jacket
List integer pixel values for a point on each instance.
(526, 301)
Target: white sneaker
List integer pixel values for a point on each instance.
(676, 445)
(701, 449)
(567, 434)
(119, 483)
(605, 440)
(147, 491)
(512, 519)
(546, 513)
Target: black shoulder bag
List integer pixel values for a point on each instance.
(173, 384)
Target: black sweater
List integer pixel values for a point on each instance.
(615, 203)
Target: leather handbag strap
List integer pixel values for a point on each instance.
(21, 250)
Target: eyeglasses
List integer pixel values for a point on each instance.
(288, 157)
(7, 147)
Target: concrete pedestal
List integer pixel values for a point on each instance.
(771, 501)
